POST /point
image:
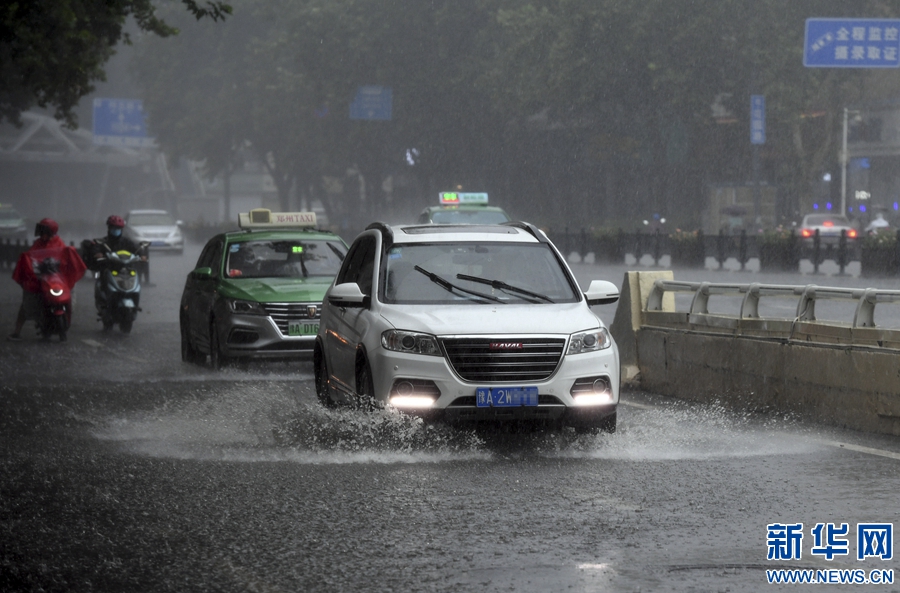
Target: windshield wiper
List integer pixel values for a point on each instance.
(500, 285)
(336, 251)
(450, 287)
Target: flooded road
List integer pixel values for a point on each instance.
(123, 469)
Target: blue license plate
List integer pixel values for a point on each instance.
(506, 397)
(157, 243)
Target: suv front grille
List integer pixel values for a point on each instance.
(474, 359)
(282, 313)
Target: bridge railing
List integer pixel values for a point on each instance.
(807, 297)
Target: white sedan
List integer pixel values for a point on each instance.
(156, 227)
(467, 323)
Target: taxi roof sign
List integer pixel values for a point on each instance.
(453, 198)
(263, 218)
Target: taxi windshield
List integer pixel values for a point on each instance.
(468, 216)
(519, 273)
(291, 258)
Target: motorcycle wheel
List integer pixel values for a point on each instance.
(125, 324)
(217, 359)
(61, 327)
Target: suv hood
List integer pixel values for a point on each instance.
(492, 319)
(267, 290)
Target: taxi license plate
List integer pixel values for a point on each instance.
(506, 397)
(303, 328)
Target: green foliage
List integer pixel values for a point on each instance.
(52, 51)
(779, 235)
(881, 239)
(681, 236)
(586, 100)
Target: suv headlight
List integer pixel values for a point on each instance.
(412, 342)
(591, 341)
(246, 307)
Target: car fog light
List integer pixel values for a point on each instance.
(413, 393)
(593, 399)
(412, 401)
(592, 391)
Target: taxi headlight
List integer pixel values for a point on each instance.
(412, 342)
(246, 307)
(591, 341)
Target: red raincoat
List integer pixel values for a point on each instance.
(71, 266)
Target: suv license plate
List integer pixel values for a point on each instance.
(303, 328)
(506, 397)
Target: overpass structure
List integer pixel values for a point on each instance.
(841, 369)
(49, 169)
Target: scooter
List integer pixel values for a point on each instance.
(117, 290)
(56, 314)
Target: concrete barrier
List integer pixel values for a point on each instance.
(842, 373)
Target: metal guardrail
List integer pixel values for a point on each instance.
(807, 296)
(785, 256)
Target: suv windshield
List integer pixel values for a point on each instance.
(505, 272)
(284, 259)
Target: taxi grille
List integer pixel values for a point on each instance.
(283, 313)
(475, 359)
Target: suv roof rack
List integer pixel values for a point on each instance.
(530, 228)
(387, 233)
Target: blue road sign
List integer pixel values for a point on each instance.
(757, 119)
(852, 43)
(120, 122)
(372, 102)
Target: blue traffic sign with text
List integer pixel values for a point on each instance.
(757, 119)
(852, 43)
(120, 122)
(372, 102)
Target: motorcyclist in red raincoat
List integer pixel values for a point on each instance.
(71, 268)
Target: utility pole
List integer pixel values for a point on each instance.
(844, 166)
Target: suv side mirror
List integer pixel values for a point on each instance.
(348, 295)
(601, 292)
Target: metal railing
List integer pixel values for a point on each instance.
(807, 296)
(784, 256)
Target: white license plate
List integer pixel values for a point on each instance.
(506, 397)
(303, 328)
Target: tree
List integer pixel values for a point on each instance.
(52, 51)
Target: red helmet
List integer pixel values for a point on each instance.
(47, 226)
(115, 221)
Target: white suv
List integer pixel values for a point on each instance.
(467, 323)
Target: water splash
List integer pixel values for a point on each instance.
(269, 422)
(277, 420)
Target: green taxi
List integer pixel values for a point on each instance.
(257, 292)
(463, 208)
